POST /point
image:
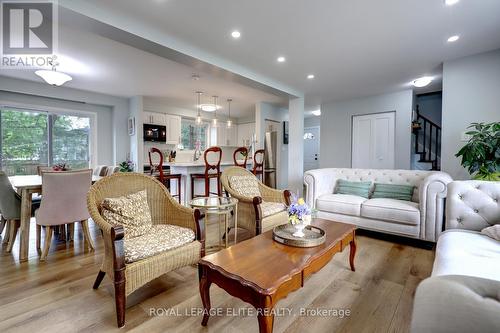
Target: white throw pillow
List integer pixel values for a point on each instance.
(493, 231)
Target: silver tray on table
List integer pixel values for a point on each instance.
(314, 236)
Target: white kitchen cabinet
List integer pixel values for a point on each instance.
(154, 118)
(173, 129)
(245, 133)
(226, 137)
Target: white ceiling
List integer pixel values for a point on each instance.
(354, 48)
(102, 65)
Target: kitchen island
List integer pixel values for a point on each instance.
(185, 169)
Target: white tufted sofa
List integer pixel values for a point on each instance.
(421, 218)
(463, 293)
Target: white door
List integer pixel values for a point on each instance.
(311, 148)
(373, 141)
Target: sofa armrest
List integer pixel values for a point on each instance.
(456, 303)
(318, 182)
(432, 192)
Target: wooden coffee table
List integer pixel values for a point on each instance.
(261, 271)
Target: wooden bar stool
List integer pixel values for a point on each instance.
(258, 164)
(243, 151)
(207, 176)
(157, 172)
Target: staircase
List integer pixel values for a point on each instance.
(427, 142)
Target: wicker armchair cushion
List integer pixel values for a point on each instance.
(131, 211)
(271, 208)
(160, 238)
(246, 186)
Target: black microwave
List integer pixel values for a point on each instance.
(156, 133)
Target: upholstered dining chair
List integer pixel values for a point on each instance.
(260, 208)
(63, 202)
(10, 208)
(131, 262)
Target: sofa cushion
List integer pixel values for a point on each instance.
(393, 191)
(492, 232)
(246, 186)
(131, 211)
(340, 204)
(271, 208)
(465, 252)
(160, 238)
(361, 189)
(398, 211)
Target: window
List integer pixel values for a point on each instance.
(190, 133)
(32, 138)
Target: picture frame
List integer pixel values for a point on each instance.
(285, 132)
(131, 126)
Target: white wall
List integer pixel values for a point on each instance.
(471, 93)
(266, 111)
(313, 121)
(112, 112)
(336, 126)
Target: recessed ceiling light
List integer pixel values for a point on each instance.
(317, 113)
(281, 59)
(453, 38)
(422, 82)
(451, 2)
(236, 34)
(310, 76)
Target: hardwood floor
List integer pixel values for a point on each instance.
(57, 295)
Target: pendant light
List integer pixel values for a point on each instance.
(198, 117)
(229, 122)
(214, 121)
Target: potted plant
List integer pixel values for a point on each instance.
(481, 154)
(126, 166)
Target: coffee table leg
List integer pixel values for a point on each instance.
(205, 295)
(265, 323)
(352, 253)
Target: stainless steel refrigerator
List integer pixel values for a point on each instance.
(270, 158)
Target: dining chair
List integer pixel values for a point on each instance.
(10, 206)
(241, 151)
(64, 201)
(212, 157)
(111, 170)
(258, 164)
(100, 170)
(156, 170)
(42, 168)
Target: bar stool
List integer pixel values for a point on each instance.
(240, 151)
(157, 172)
(258, 167)
(209, 175)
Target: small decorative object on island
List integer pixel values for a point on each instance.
(299, 215)
(481, 154)
(60, 167)
(127, 166)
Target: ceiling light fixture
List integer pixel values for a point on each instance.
(229, 122)
(451, 2)
(453, 38)
(422, 82)
(317, 113)
(208, 107)
(310, 76)
(214, 121)
(281, 59)
(198, 117)
(53, 77)
(236, 34)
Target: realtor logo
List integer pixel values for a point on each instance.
(28, 33)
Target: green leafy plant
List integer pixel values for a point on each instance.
(126, 166)
(481, 154)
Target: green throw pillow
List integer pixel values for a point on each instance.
(361, 189)
(393, 191)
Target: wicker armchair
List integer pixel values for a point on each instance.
(251, 211)
(128, 277)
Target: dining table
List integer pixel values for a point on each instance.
(26, 186)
